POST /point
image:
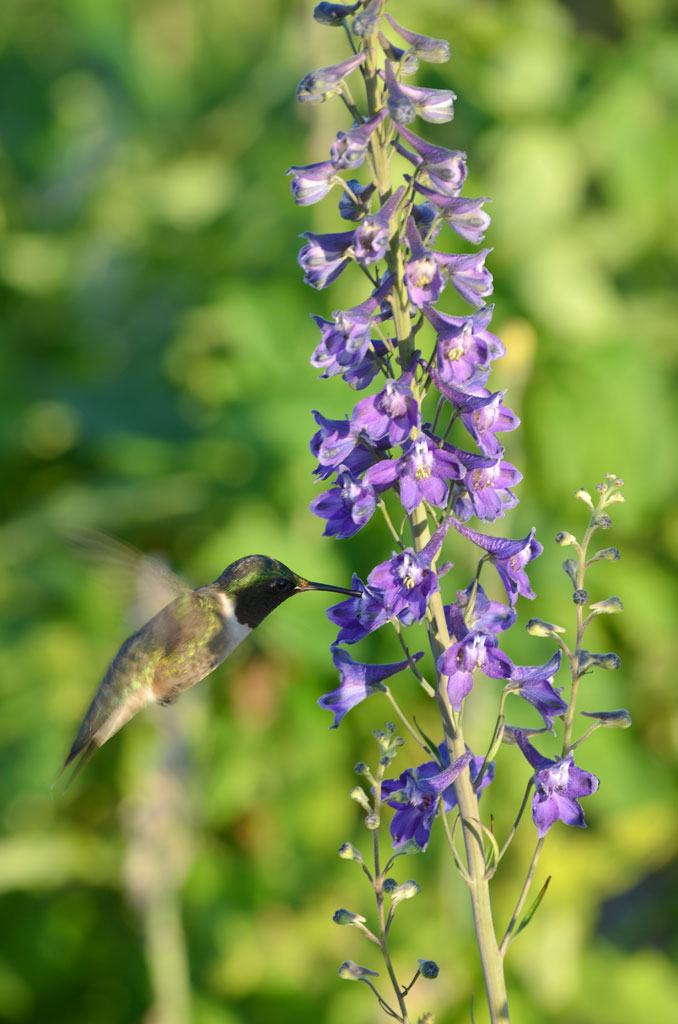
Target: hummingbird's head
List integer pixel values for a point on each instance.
(258, 584)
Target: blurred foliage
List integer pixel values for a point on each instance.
(155, 385)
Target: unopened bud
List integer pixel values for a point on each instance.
(588, 660)
(615, 498)
(372, 822)
(343, 916)
(389, 885)
(360, 796)
(584, 496)
(537, 627)
(408, 847)
(620, 719)
(610, 606)
(580, 596)
(406, 891)
(564, 538)
(602, 522)
(570, 567)
(332, 14)
(347, 851)
(606, 554)
(426, 1018)
(613, 480)
(428, 968)
(352, 971)
(361, 768)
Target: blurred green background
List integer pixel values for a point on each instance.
(156, 386)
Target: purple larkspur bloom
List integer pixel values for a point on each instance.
(445, 169)
(468, 273)
(316, 86)
(534, 683)
(400, 106)
(406, 59)
(436, 51)
(346, 507)
(463, 351)
(391, 414)
(509, 557)
(407, 580)
(473, 649)
(358, 616)
(481, 613)
(324, 257)
(374, 232)
(404, 102)
(423, 473)
(465, 216)
(311, 183)
(419, 790)
(355, 205)
(334, 444)
(349, 148)
(345, 339)
(558, 786)
(423, 278)
(358, 681)
(487, 482)
(483, 414)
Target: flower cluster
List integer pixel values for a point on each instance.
(422, 444)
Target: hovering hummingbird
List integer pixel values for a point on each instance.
(185, 641)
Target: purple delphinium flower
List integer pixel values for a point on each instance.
(358, 616)
(473, 649)
(423, 278)
(391, 414)
(324, 258)
(464, 347)
(487, 482)
(420, 789)
(468, 273)
(346, 507)
(374, 232)
(349, 148)
(558, 786)
(481, 613)
(483, 415)
(445, 169)
(423, 473)
(465, 216)
(354, 205)
(509, 558)
(345, 339)
(358, 681)
(332, 444)
(406, 581)
(433, 105)
(534, 683)
(311, 183)
(400, 106)
(316, 86)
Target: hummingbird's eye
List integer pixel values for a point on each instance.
(282, 585)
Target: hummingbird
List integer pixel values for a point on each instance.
(184, 642)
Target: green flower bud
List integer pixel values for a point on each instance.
(347, 851)
(389, 885)
(610, 606)
(361, 768)
(343, 916)
(584, 496)
(620, 719)
(428, 968)
(537, 627)
(360, 796)
(602, 522)
(587, 661)
(372, 822)
(405, 891)
(615, 498)
(351, 971)
(564, 538)
(580, 596)
(606, 554)
(570, 567)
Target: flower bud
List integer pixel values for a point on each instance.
(611, 606)
(615, 498)
(361, 768)
(537, 627)
(426, 1018)
(613, 480)
(602, 522)
(564, 538)
(333, 14)
(365, 23)
(428, 968)
(343, 916)
(570, 567)
(347, 851)
(408, 847)
(584, 496)
(360, 796)
(389, 885)
(355, 209)
(405, 891)
(436, 51)
(352, 971)
(580, 596)
(620, 719)
(606, 554)
(588, 660)
(372, 822)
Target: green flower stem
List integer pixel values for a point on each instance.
(521, 899)
(404, 720)
(515, 825)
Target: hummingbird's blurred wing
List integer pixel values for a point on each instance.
(146, 583)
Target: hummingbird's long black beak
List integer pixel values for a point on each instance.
(307, 585)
